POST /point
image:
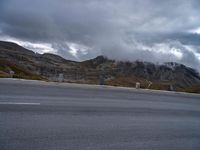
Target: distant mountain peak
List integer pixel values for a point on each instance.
(14, 47)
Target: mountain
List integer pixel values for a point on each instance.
(27, 64)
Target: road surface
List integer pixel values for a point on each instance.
(51, 116)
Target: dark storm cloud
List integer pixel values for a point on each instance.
(123, 29)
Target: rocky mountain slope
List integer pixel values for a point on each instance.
(27, 64)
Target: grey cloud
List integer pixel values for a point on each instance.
(113, 28)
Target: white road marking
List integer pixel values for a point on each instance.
(15, 103)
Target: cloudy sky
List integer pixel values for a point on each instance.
(148, 30)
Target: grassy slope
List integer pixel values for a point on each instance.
(20, 72)
(156, 85)
(193, 89)
(127, 81)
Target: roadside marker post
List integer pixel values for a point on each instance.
(11, 73)
(137, 85)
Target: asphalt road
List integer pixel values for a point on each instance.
(49, 116)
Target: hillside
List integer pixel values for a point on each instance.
(27, 64)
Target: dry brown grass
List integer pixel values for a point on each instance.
(4, 75)
(160, 85)
(193, 89)
(127, 81)
(20, 72)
